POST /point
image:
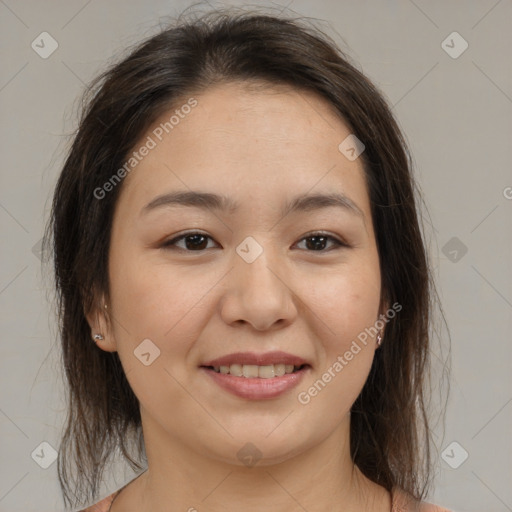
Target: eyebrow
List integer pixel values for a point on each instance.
(211, 201)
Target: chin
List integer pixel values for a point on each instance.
(257, 449)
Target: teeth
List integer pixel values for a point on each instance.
(266, 372)
(235, 369)
(251, 371)
(279, 370)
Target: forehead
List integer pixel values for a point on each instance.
(248, 140)
(256, 111)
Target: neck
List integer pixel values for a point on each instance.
(322, 477)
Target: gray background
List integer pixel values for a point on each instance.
(456, 114)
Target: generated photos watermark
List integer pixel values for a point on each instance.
(150, 143)
(304, 397)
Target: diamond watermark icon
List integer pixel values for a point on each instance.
(454, 45)
(37, 249)
(454, 455)
(454, 249)
(249, 249)
(351, 147)
(147, 352)
(249, 455)
(44, 455)
(44, 45)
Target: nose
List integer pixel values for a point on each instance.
(259, 293)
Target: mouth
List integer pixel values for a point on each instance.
(253, 371)
(256, 376)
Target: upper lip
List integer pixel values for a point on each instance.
(264, 359)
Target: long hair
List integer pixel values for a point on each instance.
(390, 437)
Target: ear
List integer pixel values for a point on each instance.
(98, 319)
(384, 306)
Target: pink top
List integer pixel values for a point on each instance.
(401, 502)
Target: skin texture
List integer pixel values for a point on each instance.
(260, 147)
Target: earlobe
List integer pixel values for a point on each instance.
(383, 309)
(101, 332)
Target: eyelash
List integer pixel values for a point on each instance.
(171, 244)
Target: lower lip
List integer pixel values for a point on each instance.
(256, 388)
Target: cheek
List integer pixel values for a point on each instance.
(158, 301)
(349, 308)
(153, 303)
(346, 300)
(348, 305)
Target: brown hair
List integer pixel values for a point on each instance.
(390, 437)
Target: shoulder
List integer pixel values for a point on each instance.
(103, 505)
(404, 502)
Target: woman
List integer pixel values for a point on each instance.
(244, 289)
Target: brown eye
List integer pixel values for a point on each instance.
(317, 242)
(198, 242)
(192, 242)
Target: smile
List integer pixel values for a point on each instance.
(250, 385)
(252, 371)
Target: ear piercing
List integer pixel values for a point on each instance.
(379, 340)
(98, 337)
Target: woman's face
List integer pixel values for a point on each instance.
(252, 281)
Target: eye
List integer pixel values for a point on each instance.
(197, 242)
(194, 241)
(318, 241)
